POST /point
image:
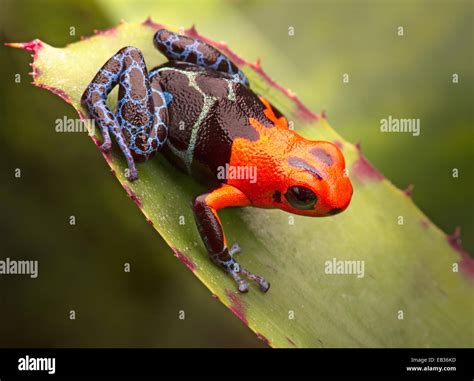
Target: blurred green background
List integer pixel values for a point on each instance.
(81, 266)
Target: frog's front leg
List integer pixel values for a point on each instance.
(177, 47)
(210, 228)
(139, 125)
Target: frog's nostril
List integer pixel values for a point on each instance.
(334, 211)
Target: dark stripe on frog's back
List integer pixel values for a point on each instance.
(226, 120)
(185, 106)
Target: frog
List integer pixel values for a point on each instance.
(198, 110)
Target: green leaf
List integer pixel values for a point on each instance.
(410, 295)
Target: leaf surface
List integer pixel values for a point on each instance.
(408, 295)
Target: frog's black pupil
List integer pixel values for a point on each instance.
(301, 197)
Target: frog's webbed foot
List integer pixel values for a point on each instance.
(205, 209)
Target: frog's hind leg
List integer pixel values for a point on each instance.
(205, 209)
(139, 125)
(177, 47)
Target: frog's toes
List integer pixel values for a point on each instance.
(132, 174)
(242, 285)
(235, 270)
(106, 145)
(235, 248)
(262, 282)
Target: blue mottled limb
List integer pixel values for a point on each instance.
(139, 125)
(183, 48)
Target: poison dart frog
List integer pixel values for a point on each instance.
(199, 111)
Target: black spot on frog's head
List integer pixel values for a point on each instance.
(277, 197)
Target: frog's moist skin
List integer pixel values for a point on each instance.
(199, 111)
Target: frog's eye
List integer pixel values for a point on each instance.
(301, 197)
